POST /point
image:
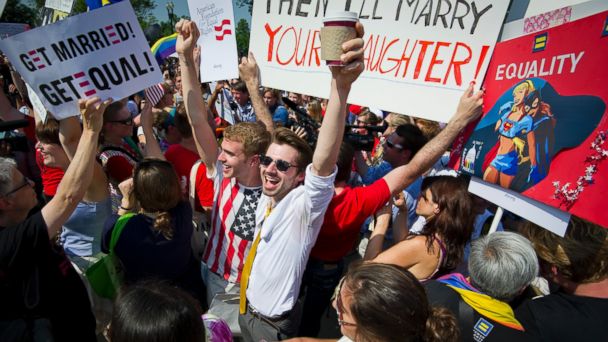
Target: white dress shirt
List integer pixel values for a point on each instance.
(288, 235)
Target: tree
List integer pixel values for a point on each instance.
(16, 12)
(242, 37)
(243, 3)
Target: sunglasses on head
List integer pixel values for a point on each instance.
(391, 145)
(340, 306)
(128, 121)
(281, 165)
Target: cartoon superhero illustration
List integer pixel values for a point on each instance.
(514, 126)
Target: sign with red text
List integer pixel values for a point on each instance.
(419, 54)
(215, 20)
(544, 132)
(102, 53)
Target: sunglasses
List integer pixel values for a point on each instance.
(392, 146)
(281, 165)
(26, 182)
(340, 306)
(128, 121)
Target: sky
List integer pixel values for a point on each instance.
(181, 8)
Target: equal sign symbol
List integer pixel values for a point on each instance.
(109, 29)
(85, 83)
(36, 59)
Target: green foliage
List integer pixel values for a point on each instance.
(242, 37)
(17, 12)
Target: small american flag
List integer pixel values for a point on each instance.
(155, 93)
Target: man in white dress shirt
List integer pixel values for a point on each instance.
(290, 214)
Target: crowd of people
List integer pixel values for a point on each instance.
(248, 213)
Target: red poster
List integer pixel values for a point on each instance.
(544, 132)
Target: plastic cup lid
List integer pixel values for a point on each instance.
(341, 16)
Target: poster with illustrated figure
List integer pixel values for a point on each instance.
(544, 132)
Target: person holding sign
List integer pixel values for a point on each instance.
(234, 170)
(37, 280)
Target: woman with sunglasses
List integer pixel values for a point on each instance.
(118, 154)
(446, 206)
(156, 241)
(386, 303)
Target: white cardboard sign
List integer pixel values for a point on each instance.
(420, 54)
(215, 20)
(61, 5)
(543, 215)
(2, 4)
(100, 53)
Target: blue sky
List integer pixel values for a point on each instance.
(181, 8)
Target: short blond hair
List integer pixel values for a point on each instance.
(253, 135)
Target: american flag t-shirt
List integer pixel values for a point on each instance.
(232, 227)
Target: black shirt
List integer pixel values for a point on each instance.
(565, 317)
(476, 327)
(38, 281)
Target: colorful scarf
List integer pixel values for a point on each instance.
(485, 305)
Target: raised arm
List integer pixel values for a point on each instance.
(332, 129)
(196, 110)
(469, 108)
(151, 148)
(69, 135)
(79, 174)
(250, 74)
(7, 111)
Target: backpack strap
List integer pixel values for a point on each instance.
(118, 227)
(192, 183)
(465, 319)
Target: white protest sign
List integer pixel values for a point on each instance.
(61, 5)
(215, 20)
(100, 53)
(541, 214)
(419, 54)
(36, 103)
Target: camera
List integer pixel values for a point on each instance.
(362, 142)
(17, 142)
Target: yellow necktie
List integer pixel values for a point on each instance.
(248, 265)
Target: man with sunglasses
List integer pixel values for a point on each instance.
(234, 169)
(41, 292)
(297, 187)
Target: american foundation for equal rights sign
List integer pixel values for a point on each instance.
(419, 54)
(100, 53)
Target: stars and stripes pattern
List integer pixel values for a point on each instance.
(232, 228)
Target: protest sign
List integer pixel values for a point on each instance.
(102, 53)
(215, 20)
(545, 129)
(50, 16)
(419, 55)
(543, 215)
(60, 5)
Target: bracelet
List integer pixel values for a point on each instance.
(125, 209)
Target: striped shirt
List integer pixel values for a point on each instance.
(232, 225)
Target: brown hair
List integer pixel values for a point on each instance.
(429, 128)
(253, 135)
(380, 288)
(112, 110)
(581, 256)
(454, 222)
(180, 121)
(345, 162)
(284, 136)
(315, 111)
(157, 189)
(48, 132)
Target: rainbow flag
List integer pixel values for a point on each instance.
(164, 47)
(95, 4)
